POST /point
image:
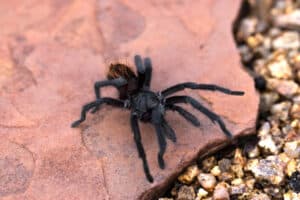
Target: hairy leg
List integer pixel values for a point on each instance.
(117, 83)
(98, 102)
(196, 86)
(157, 122)
(148, 73)
(140, 70)
(139, 145)
(211, 115)
(169, 132)
(187, 115)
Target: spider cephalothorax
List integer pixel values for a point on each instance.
(148, 106)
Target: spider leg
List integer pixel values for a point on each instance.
(196, 86)
(211, 115)
(140, 70)
(187, 115)
(157, 122)
(169, 132)
(139, 145)
(98, 102)
(118, 82)
(148, 73)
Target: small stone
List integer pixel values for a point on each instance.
(237, 181)
(207, 181)
(238, 189)
(254, 152)
(290, 195)
(264, 129)
(246, 28)
(165, 199)
(286, 88)
(281, 110)
(291, 167)
(238, 170)
(295, 60)
(226, 176)
(216, 171)
(269, 169)
(268, 144)
(290, 20)
(288, 40)
(292, 149)
(260, 197)
(189, 175)
(250, 183)
(238, 157)
(209, 163)
(295, 111)
(221, 193)
(245, 53)
(267, 99)
(280, 68)
(254, 40)
(224, 164)
(274, 192)
(294, 182)
(201, 193)
(186, 193)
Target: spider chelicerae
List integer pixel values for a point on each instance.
(148, 106)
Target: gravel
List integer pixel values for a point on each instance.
(269, 167)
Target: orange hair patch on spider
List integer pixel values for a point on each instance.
(120, 70)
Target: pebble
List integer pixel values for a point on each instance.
(280, 69)
(281, 110)
(216, 171)
(189, 175)
(238, 189)
(286, 88)
(267, 143)
(260, 197)
(291, 167)
(208, 163)
(295, 111)
(186, 193)
(290, 195)
(238, 158)
(270, 169)
(224, 164)
(247, 27)
(292, 149)
(201, 193)
(290, 20)
(288, 40)
(238, 170)
(207, 181)
(221, 193)
(254, 152)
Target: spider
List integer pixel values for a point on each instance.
(148, 106)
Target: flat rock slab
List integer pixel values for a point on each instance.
(51, 53)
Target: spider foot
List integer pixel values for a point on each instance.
(150, 178)
(76, 123)
(238, 93)
(161, 161)
(95, 110)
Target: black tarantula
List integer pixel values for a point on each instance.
(148, 106)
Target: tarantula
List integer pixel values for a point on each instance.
(148, 106)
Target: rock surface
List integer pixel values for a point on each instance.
(51, 53)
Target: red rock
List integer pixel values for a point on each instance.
(54, 51)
